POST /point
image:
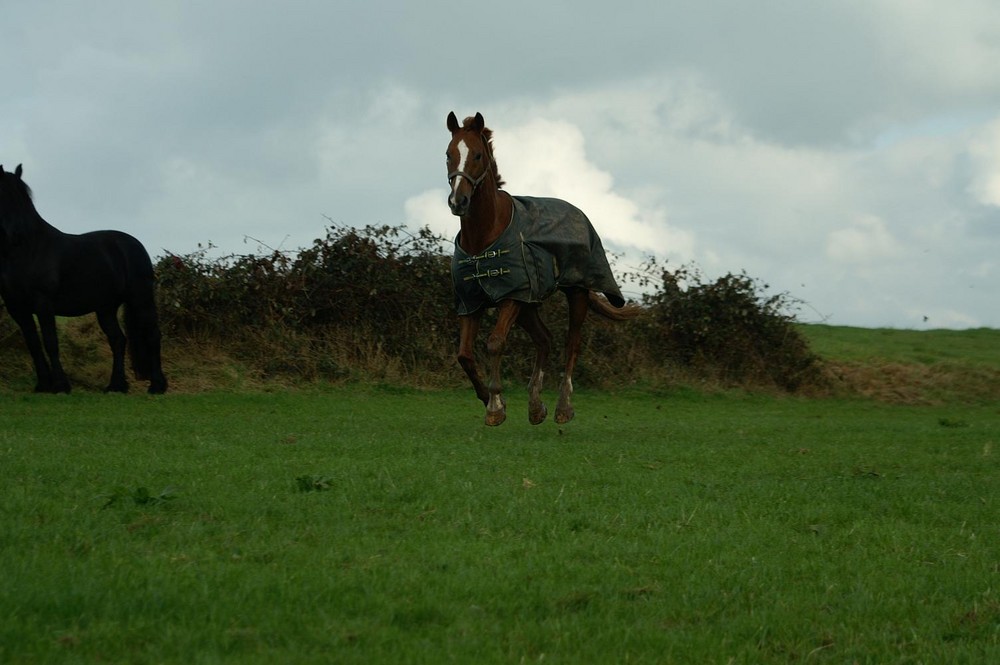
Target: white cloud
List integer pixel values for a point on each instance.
(939, 49)
(430, 209)
(884, 219)
(984, 151)
(547, 158)
(866, 240)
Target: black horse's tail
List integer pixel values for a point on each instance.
(142, 329)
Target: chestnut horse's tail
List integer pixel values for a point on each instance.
(601, 305)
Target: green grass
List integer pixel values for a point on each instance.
(388, 525)
(976, 347)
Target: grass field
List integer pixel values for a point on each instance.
(388, 525)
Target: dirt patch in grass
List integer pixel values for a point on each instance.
(914, 383)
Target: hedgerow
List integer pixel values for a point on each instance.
(731, 329)
(377, 302)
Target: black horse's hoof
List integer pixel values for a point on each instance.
(117, 388)
(52, 387)
(157, 387)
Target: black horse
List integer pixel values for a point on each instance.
(47, 273)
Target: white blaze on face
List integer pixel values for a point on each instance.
(463, 162)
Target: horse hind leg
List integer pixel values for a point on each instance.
(108, 320)
(157, 379)
(532, 323)
(578, 305)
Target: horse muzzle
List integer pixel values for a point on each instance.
(460, 198)
(459, 203)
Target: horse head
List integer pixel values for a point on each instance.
(16, 172)
(17, 212)
(13, 189)
(469, 160)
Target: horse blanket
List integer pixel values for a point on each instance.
(549, 244)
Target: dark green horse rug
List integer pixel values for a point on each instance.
(550, 244)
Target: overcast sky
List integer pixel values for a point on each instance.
(847, 152)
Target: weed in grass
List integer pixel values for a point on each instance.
(314, 483)
(140, 496)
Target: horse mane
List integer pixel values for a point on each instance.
(17, 210)
(487, 135)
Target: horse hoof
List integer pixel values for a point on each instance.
(494, 418)
(564, 415)
(537, 416)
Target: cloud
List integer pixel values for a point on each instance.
(430, 209)
(984, 153)
(848, 152)
(866, 240)
(547, 158)
(885, 219)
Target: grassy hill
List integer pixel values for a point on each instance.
(910, 366)
(977, 347)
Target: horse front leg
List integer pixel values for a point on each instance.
(58, 382)
(507, 313)
(43, 375)
(578, 305)
(542, 338)
(468, 328)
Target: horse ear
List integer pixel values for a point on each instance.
(478, 123)
(452, 122)
(18, 171)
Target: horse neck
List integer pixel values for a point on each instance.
(25, 228)
(488, 217)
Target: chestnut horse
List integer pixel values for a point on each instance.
(512, 253)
